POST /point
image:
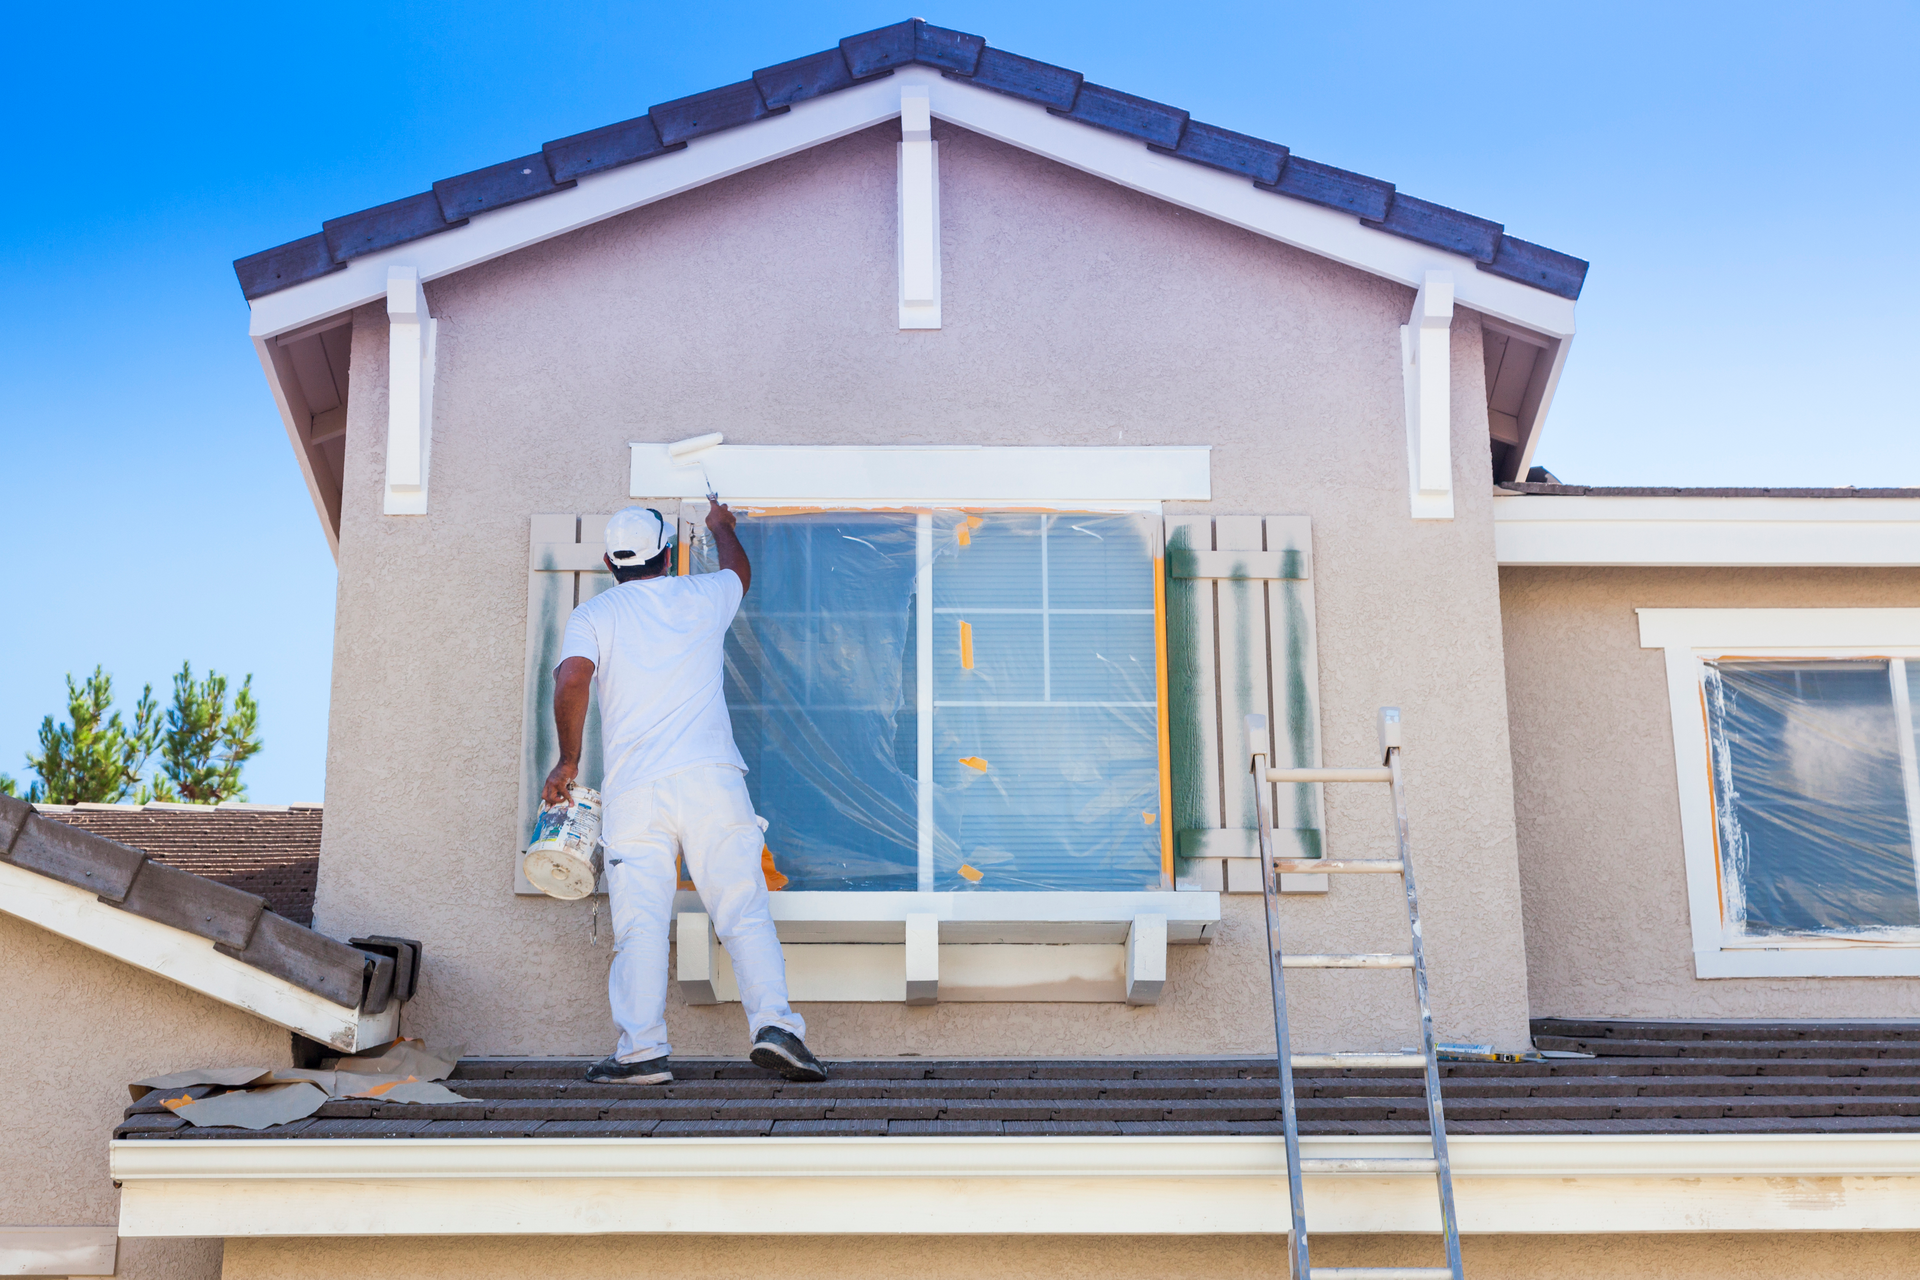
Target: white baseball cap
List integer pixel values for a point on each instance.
(636, 535)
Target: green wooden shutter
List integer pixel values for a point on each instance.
(1240, 641)
(563, 568)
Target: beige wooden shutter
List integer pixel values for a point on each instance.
(563, 568)
(1240, 641)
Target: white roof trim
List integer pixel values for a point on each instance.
(1231, 198)
(1583, 529)
(1010, 1185)
(189, 960)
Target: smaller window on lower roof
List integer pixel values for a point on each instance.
(1815, 798)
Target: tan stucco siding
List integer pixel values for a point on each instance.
(78, 1028)
(1076, 312)
(1803, 1256)
(1597, 803)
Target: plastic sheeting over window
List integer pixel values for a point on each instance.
(1041, 742)
(1815, 795)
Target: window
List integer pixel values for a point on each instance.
(1814, 794)
(952, 700)
(1795, 754)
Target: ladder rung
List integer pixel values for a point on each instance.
(1380, 961)
(1372, 1164)
(1337, 1060)
(1373, 866)
(1329, 775)
(1382, 1273)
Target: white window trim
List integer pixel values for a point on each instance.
(1082, 477)
(1690, 635)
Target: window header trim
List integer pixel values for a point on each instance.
(1109, 477)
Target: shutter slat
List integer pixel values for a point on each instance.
(1242, 647)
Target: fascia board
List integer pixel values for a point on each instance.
(595, 198)
(1584, 530)
(186, 959)
(1325, 232)
(1006, 1185)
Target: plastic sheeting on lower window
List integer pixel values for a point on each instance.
(1814, 796)
(1043, 754)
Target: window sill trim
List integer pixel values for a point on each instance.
(1879, 960)
(1019, 917)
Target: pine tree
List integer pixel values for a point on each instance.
(94, 757)
(206, 743)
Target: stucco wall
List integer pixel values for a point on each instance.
(1076, 312)
(77, 1028)
(1597, 803)
(1802, 1256)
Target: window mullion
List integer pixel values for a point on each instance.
(1909, 765)
(923, 691)
(1046, 621)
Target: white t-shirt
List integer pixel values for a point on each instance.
(656, 648)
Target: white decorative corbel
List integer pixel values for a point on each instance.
(410, 335)
(1427, 369)
(923, 958)
(1146, 959)
(919, 212)
(695, 963)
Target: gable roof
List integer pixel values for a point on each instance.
(772, 91)
(272, 851)
(214, 938)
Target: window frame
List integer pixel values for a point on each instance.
(693, 515)
(1691, 637)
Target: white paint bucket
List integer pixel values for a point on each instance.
(564, 859)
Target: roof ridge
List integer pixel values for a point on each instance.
(771, 91)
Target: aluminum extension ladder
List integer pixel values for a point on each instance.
(1287, 1060)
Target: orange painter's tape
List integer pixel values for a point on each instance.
(971, 874)
(966, 645)
(974, 762)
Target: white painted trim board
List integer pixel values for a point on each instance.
(1007, 1185)
(188, 960)
(1584, 530)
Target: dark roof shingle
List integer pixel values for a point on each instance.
(1645, 1078)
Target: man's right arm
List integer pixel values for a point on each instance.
(732, 555)
(572, 683)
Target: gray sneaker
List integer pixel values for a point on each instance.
(778, 1049)
(614, 1071)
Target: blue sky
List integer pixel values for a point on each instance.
(1741, 176)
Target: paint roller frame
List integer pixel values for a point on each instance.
(691, 453)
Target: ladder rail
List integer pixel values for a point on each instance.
(1282, 1041)
(1436, 1118)
(1271, 867)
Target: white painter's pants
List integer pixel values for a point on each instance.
(704, 812)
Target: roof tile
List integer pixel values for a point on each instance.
(1560, 274)
(384, 226)
(1052, 87)
(284, 266)
(948, 50)
(604, 148)
(1336, 188)
(496, 186)
(878, 52)
(699, 114)
(1441, 227)
(1219, 148)
(820, 73)
(1152, 122)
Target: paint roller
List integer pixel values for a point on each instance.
(692, 451)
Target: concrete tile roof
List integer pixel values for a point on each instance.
(773, 90)
(1646, 1078)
